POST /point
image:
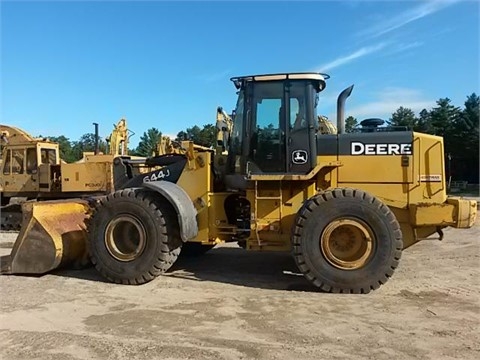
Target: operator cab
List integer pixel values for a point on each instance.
(275, 124)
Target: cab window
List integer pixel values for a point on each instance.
(267, 144)
(8, 163)
(48, 156)
(31, 161)
(17, 161)
(298, 113)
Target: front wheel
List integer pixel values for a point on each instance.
(133, 236)
(346, 240)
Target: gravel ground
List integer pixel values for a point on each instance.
(233, 304)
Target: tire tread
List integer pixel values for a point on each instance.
(331, 195)
(165, 216)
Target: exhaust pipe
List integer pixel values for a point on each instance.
(341, 109)
(97, 149)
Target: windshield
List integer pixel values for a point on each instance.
(237, 131)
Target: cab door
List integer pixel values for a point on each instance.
(301, 144)
(266, 152)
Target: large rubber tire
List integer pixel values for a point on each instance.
(133, 236)
(330, 224)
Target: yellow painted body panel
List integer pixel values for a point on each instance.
(456, 212)
(422, 180)
(88, 176)
(274, 207)
(196, 181)
(466, 211)
(379, 169)
(219, 228)
(100, 158)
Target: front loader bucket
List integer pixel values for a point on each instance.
(52, 235)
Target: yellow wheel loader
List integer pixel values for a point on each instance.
(344, 204)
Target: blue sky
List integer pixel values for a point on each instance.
(167, 65)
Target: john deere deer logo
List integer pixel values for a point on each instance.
(299, 157)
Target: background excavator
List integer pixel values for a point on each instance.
(31, 168)
(281, 179)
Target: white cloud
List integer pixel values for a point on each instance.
(404, 47)
(389, 48)
(418, 12)
(389, 100)
(351, 57)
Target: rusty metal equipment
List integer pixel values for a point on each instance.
(31, 168)
(53, 235)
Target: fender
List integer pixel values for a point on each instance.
(181, 202)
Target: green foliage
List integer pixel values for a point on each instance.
(350, 124)
(66, 151)
(206, 136)
(444, 118)
(459, 129)
(148, 142)
(424, 122)
(182, 136)
(468, 124)
(86, 143)
(404, 117)
(193, 134)
(463, 142)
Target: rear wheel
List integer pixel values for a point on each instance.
(346, 240)
(133, 236)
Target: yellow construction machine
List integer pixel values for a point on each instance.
(31, 168)
(344, 204)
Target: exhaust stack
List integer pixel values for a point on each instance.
(341, 108)
(97, 149)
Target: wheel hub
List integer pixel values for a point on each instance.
(125, 238)
(347, 243)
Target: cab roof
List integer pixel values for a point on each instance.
(284, 76)
(238, 80)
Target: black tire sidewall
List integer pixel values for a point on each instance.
(353, 208)
(155, 232)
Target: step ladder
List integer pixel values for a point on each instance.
(258, 199)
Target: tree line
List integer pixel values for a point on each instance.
(71, 151)
(458, 126)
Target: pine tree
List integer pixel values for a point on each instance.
(350, 124)
(148, 142)
(464, 141)
(404, 117)
(424, 123)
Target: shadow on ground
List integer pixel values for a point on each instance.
(265, 270)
